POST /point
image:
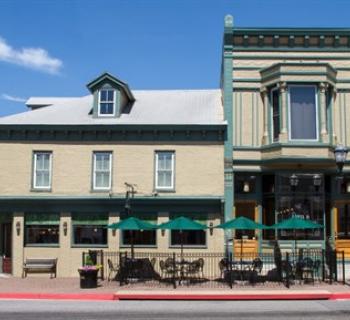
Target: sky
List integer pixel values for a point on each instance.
(55, 47)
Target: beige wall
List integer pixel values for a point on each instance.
(198, 167)
(70, 258)
(248, 104)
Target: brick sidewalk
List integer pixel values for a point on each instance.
(71, 285)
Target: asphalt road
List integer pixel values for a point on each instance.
(169, 310)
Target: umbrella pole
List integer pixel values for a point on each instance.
(241, 250)
(132, 244)
(182, 244)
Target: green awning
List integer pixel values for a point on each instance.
(42, 219)
(90, 219)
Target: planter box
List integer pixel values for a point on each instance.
(88, 279)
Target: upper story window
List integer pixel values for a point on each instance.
(303, 119)
(102, 171)
(106, 105)
(275, 113)
(42, 170)
(165, 164)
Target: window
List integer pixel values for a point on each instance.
(102, 178)
(90, 229)
(165, 170)
(138, 237)
(106, 102)
(42, 170)
(344, 222)
(41, 229)
(275, 113)
(190, 238)
(303, 112)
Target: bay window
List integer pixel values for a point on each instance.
(303, 118)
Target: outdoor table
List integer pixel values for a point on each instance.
(183, 264)
(241, 267)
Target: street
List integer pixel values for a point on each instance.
(103, 310)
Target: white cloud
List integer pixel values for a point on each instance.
(12, 98)
(36, 58)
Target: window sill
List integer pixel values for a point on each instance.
(189, 247)
(126, 246)
(77, 246)
(100, 190)
(165, 190)
(40, 190)
(41, 245)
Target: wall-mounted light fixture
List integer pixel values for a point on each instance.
(162, 231)
(246, 186)
(18, 228)
(65, 228)
(211, 228)
(340, 153)
(348, 187)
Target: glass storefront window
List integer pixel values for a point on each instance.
(344, 222)
(90, 229)
(189, 237)
(41, 229)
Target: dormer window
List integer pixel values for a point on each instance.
(106, 106)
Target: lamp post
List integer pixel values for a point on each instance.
(130, 191)
(293, 181)
(340, 153)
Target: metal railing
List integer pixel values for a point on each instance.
(218, 270)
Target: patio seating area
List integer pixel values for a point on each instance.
(217, 270)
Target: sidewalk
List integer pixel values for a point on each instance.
(69, 289)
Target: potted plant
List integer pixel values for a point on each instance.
(88, 274)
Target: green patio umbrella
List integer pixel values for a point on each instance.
(132, 224)
(182, 223)
(295, 223)
(242, 223)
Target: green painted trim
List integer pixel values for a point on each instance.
(276, 75)
(260, 68)
(195, 132)
(237, 56)
(291, 49)
(282, 160)
(291, 31)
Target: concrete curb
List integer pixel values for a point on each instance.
(59, 296)
(176, 296)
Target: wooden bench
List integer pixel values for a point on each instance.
(40, 265)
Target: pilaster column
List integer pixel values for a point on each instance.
(67, 262)
(113, 234)
(283, 137)
(265, 97)
(17, 243)
(323, 109)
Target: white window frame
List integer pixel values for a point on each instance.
(172, 187)
(36, 153)
(290, 110)
(94, 170)
(107, 101)
(271, 116)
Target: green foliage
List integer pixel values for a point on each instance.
(88, 261)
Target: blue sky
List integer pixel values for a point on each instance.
(54, 48)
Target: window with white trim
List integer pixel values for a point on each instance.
(303, 117)
(106, 105)
(42, 170)
(102, 170)
(165, 164)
